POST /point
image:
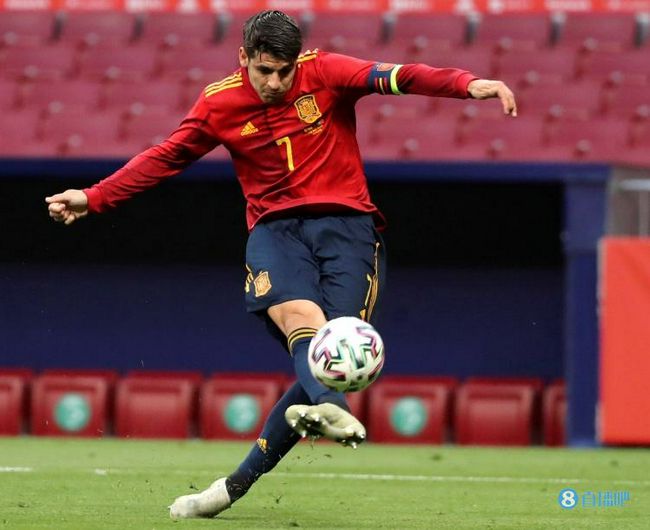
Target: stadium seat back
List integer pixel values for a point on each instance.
(605, 31)
(183, 30)
(412, 31)
(70, 405)
(541, 65)
(154, 407)
(493, 414)
(27, 28)
(106, 27)
(46, 62)
(408, 411)
(554, 407)
(12, 404)
(235, 407)
(138, 63)
(520, 31)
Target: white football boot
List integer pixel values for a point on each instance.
(208, 503)
(327, 420)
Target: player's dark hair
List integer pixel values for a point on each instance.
(272, 32)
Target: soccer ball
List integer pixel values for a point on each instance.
(346, 354)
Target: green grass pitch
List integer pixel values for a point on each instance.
(128, 484)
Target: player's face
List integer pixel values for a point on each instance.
(271, 77)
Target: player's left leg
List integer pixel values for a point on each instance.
(275, 440)
(280, 271)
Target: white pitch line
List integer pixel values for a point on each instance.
(370, 476)
(8, 469)
(452, 478)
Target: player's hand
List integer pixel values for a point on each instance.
(68, 206)
(487, 88)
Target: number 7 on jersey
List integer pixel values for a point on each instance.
(286, 140)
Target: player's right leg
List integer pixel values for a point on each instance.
(327, 413)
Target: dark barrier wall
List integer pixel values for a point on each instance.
(493, 270)
(474, 285)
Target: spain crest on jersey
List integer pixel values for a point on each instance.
(307, 108)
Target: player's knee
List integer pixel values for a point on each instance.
(295, 314)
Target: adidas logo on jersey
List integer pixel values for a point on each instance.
(249, 128)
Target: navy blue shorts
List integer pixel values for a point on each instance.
(336, 261)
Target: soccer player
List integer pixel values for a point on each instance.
(314, 251)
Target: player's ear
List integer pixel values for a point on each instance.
(243, 57)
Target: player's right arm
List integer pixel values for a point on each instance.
(189, 142)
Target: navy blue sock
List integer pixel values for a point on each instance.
(298, 341)
(275, 441)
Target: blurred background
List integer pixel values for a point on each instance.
(499, 234)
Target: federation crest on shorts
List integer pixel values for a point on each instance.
(262, 283)
(307, 108)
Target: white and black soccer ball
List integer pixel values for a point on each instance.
(346, 354)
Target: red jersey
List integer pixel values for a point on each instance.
(300, 154)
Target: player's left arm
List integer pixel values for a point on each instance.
(488, 88)
(443, 82)
(351, 74)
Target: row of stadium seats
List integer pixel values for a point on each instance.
(396, 409)
(149, 63)
(358, 32)
(453, 130)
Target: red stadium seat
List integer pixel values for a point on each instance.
(50, 62)
(605, 31)
(13, 396)
(106, 27)
(70, 405)
(450, 382)
(81, 94)
(414, 32)
(109, 374)
(235, 407)
(193, 376)
(536, 383)
(408, 411)
(27, 28)
(602, 140)
(18, 132)
(150, 127)
(211, 63)
(629, 65)
(136, 63)
(354, 31)
(284, 380)
(624, 100)
(155, 407)
(518, 31)
(426, 139)
(579, 99)
(500, 139)
(554, 409)
(182, 30)
(547, 66)
(73, 129)
(25, 374)
(9, 94)
(493, 414)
